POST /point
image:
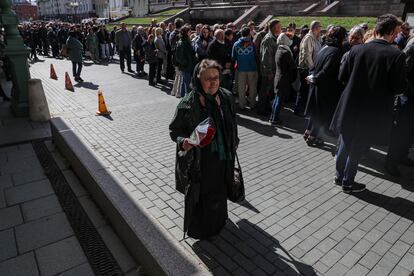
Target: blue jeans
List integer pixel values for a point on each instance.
(185, 85)
(347, 159)
(278, 103)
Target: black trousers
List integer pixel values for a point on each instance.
(302, 95)
(266, 86)
(170, 66)
(159, 69)
(45, 48)
(76, 69)
(402, 134)
(152, 70)
(125, 53)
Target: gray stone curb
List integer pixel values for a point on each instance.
(150, 244)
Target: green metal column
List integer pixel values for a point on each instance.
(16, 54)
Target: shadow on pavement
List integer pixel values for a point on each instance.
(87, 85)
(375, 161)
(247, 205)
(397, 205)
(261, 128)
(247, 246)
(33, 61)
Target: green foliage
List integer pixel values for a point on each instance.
(143, 20)
(170, 12)
(346, 22)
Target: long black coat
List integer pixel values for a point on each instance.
(374, 73)
(326, 89)
(286, 71)
(409, 52)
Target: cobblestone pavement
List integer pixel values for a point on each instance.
(36, 238)
(35, 235)
(294, 220)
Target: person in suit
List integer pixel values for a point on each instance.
(123, 42)
(374, 73)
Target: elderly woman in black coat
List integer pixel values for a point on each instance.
(204, 174)
(325, 89)
(286, 73)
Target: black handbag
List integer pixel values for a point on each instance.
(236, 191)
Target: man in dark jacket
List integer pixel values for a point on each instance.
(139, 53)
(217, 51)
(123, 43)
(403, 130)
(374, 73)
(268, 49)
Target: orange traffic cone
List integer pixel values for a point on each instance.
(102, 110)
(68, 83)
(53, 73)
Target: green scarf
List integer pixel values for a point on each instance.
(218, 144)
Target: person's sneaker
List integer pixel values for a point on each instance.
(354, 188)
(337, 181)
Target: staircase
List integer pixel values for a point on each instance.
(321, 8)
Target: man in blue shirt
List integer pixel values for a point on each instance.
(244, 54)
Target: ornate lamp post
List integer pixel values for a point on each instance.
(16, 54)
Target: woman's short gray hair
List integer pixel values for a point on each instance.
(207, 64)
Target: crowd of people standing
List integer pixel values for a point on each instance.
(265, 68)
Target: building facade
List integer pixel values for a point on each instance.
(112, 8)
(25, 11)
(68, 10)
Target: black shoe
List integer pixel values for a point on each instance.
(314, 141)
(130, 71)
(337, 181)
(407, 162)
(354, 188)
(392, 169)
(122, 70)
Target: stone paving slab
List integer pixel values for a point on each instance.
(19, 130)
(294, 219)
(35, 235)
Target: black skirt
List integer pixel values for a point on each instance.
(210, 213)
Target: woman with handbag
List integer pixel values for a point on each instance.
(206, 175)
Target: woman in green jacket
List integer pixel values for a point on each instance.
(75, 49)
(92, 44)
(204, 174)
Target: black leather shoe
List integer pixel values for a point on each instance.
(392, 169)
